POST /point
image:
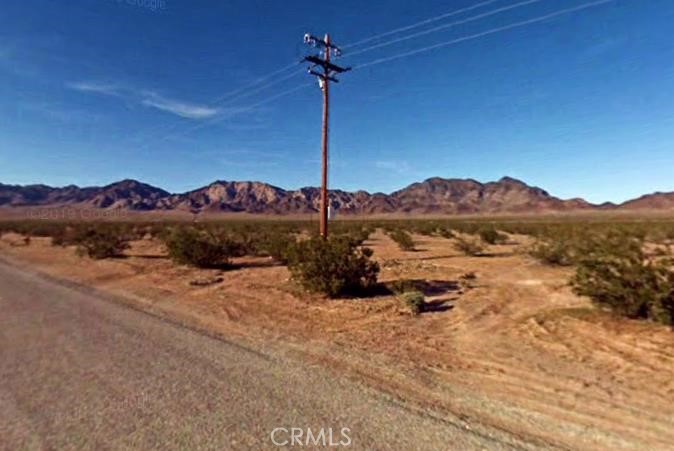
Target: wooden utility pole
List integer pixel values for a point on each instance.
(324, 79)
(326, 119)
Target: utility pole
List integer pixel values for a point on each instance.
(324, 78)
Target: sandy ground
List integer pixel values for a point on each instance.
(80, 372)
(513, 348)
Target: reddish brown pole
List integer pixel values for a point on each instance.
(324, 183)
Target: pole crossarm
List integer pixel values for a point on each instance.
(323, 76)
(326, 65)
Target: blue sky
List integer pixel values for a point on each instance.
(581, 104)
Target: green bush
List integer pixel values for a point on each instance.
(492, 236)
(401, 286)
(403, 239)
(67, 236)
(334, 267)
(42, 229)
(277, 246)
(469, 246)
(355, 233)
(614, 272)
(360, 235)
(445, 232)
(101, 243)
(426, 228)
(189, 246)
(415, 301)
(557, 249)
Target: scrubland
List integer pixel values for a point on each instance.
(557, 330)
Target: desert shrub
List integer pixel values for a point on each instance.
(68, 236)
(426, 228)
(657, 235)
(470, 228)
(560, 250)
(668, 232)
(233, 238)
(155, 230)
(277, 246)
(243, 243)
(101, 243)
(469, 246)
(614, 271)
(401, 286)
(355, 233)
(492, 236)
(61, 238)
(360, 235)
(403, 239)
(189, 246)
(333, 267)
(415, 301)
(41, 229)
(446, 232)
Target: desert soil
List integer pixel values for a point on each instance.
(512, 349)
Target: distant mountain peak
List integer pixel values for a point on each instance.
(434, 195)
(511, 180)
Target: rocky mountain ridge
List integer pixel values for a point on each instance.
(432, 196)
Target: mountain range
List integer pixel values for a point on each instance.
(432, 196)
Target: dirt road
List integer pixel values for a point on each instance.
(81, 372)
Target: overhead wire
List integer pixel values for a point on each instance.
(256, 82)
(483, 33)
(229, 102)
(445, 26)
(418, 24)
(258, 85)
(239, 110)
(245, 91)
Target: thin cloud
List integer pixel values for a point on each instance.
(182, 109)
(98, 88)
(146, 98)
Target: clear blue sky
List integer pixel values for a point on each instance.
(93, 91)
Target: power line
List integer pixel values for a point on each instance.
(260, 88)
(389, 58)
(242, 92)
(246, 91)
(235, 98)
(239, 110)
(484, 33)
(256, 82)
(418, 24)
(445, 26)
